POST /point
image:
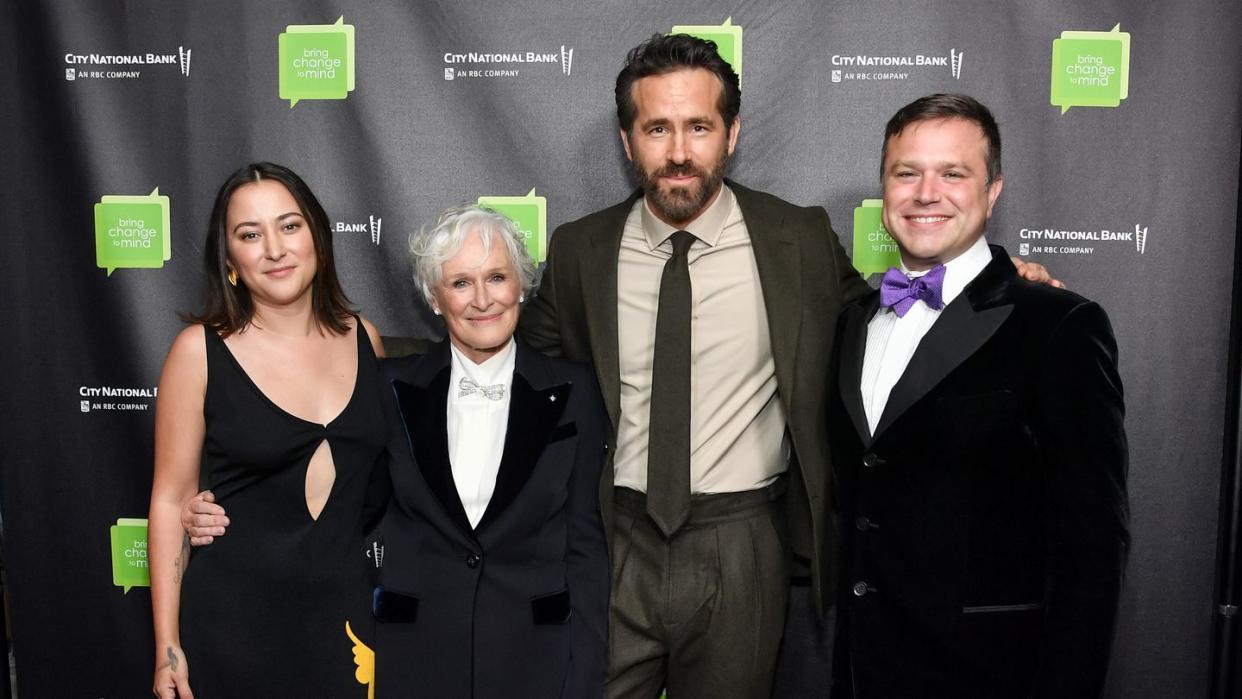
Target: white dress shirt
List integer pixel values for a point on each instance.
(891, 341)
(477, 426)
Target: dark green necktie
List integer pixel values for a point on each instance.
(668, 445)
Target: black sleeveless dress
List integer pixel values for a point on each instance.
(265, 608)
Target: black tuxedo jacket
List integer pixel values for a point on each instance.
(518, 606)
(806, 279)
(986, 520)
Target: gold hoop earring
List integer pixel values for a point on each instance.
(232, 276)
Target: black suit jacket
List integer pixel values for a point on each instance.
(806, 279)
(986, 519)
(516, 607)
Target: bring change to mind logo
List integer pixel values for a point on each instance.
(129, 554)
(316, 62)
(1090, 69)
(529, 215)
(132, 232)
(874, 249)
(728, 38)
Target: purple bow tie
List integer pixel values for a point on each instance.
(899, 293)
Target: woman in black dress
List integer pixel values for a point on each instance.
(269, 399)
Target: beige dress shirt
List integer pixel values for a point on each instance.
(737, 422)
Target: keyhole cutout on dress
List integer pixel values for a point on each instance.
(320, 475)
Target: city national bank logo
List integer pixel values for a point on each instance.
(98, 66)
(132, 232)
(875, 67)
(874, 249)
(1090, 69)
(529, 215)
(122, 398)
(727, 36)
(1054, 241)
(504, 64)
(316, 61)
(374, 225)
(129, 554)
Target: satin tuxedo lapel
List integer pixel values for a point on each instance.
(599, 297)
(423, 404)
(962, 328)
(535, 407)
(778, 259)
(853, 349)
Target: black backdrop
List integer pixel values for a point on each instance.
(174, 95)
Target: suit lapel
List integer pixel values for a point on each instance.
(780, 276)
(535, 407)
(598, 272)
(962, 328)
(853, 349)
(423, 403)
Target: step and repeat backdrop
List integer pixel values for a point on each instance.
(119, 120)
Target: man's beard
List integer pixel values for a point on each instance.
(680, 204)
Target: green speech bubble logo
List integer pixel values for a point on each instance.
(1090, 69)
(530, 215)
(132, 232)
(316, 61)
(728, 38)
(874, 249)
(129, 554)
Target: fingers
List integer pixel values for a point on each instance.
(208, 496)
(201, 540)
(183, 689)
(165, 685)
(203, 507)
(209, 521)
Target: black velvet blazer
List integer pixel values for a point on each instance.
(986, 521)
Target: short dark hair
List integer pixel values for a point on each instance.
(228, 309)
(948, 106)
(666, 53)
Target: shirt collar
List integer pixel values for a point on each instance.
(707, 227)
(959, 271)
(497, 369)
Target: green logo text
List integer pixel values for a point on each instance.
(874, 249)
(316, 62)
(132, 232)
(529, 215)
(129, 554)
(1090, 69)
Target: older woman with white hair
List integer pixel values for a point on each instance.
(495, 574)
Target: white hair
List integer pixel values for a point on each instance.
(431, 247)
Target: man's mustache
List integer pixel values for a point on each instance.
(682, 170)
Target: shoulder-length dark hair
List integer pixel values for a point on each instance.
(229, 309)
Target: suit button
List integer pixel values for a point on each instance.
(870, 460)
(860, 589)
(472, 561)
(863, 524)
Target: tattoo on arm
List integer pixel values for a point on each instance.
(182, 561)
(172, 660)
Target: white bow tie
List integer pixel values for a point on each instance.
(468, 386)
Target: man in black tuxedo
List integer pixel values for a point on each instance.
(976, 425)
